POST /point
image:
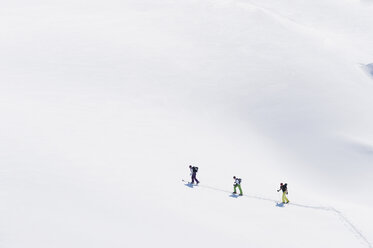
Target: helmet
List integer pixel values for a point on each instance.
(234, 177)
(281, 184)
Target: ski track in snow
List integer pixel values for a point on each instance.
(358, 234)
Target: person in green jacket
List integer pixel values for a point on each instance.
(237, 184)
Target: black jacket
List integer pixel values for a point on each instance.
(284, 187)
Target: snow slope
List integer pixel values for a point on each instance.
(105, 104)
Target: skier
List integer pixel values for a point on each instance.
(237, 183)
(284, 188)
(193, 173)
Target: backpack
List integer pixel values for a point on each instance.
(239, 180)
(285, 187)
(195, 169)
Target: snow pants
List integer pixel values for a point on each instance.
(237, 186)
(194, 174)
(284, 198)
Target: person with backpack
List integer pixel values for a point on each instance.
(237, 184)
(193, 173)
(284, 188)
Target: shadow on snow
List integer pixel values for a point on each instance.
(280, 204)
(234, 195)
(190, 185)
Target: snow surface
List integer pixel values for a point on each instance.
(104, 104)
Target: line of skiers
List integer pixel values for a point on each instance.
(237, 184)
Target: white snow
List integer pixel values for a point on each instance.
(104, 104)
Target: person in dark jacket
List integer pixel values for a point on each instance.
(284, 188)
(193, 173)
